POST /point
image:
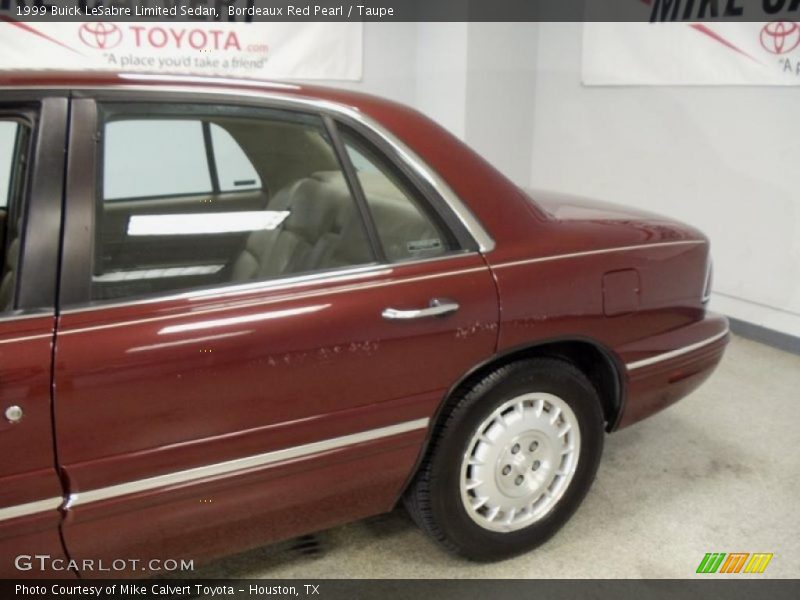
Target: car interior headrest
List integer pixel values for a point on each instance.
(312, 213)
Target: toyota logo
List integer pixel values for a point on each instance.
(102, 36)
(780, 37)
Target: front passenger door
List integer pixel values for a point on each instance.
(32, 139)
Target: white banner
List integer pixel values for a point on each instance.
(691, 53)
(253, 50)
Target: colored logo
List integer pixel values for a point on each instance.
(100, 35)
(735, 562)
(780, 37)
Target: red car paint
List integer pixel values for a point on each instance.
(297, 365)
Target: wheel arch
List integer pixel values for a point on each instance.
(594, 359)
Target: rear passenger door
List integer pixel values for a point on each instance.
(229, 374)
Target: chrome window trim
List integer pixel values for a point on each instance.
(238, 465)
(236, 289)
(675, 353)
(30, 508)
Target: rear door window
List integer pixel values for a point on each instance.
(196, 201)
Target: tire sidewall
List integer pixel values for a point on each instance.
(548, 376)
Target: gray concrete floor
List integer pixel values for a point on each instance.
(718, 472)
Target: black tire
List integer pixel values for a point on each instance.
(434, 499)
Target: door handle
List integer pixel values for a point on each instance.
(436, 308)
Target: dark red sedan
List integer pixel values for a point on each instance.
(237, 312)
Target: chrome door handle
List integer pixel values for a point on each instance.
(437, 308)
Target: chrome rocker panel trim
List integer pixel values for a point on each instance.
(30, 508)
(230, 467)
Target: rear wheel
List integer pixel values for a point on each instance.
(511, 462)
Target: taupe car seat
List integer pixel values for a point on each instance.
(9, 281)
(300, 243)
